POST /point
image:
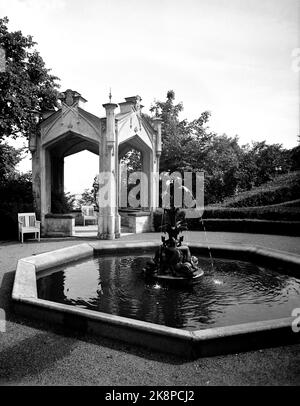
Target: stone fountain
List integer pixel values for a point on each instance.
(173, 259)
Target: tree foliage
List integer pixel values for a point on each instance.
(294, 155)
(9, 158)
(26, 89)
(15, 191)
(26, 86)
(87, 198)
(133, 160)
(62, 203)
(228, 167)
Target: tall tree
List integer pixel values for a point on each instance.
(179, 137)
(26, 86)
(228, 167)
(261, 162)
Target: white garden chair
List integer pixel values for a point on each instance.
(88, 213)
(28, 224)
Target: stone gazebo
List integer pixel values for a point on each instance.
(72, 129)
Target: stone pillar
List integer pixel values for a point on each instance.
(156, 158)
(109, 219)
(117, 185)
(57, 175)
(34, 147)
(147, 168)
(45, 179)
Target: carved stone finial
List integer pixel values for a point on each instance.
(157, 111)
(71, 97)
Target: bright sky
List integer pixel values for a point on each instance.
(232, 57)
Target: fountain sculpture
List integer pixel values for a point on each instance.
(173, 259)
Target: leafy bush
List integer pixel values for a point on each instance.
(62, 203)
(295, 158)
(16, 197)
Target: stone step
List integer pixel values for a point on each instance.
(86, 229)
(126, 230)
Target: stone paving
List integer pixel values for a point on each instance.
(37, 353)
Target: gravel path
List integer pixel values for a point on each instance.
(35, 353)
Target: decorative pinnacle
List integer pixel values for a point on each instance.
(110, 96)
(157, 111)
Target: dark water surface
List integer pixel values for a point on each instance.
(234, 292)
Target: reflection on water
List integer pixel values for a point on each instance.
(235, 292)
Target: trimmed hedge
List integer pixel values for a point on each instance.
(292, 203)
(278, 213)
(291, 228)
(276, 220)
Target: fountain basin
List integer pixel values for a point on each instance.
(204, 342)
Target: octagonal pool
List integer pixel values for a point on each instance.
(234, 292)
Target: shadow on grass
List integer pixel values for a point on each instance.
(12, 356)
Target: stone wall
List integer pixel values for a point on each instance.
(137, 222)
(59, 225)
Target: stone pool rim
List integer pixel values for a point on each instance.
(190, 344)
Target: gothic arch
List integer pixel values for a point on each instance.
(72, 129)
